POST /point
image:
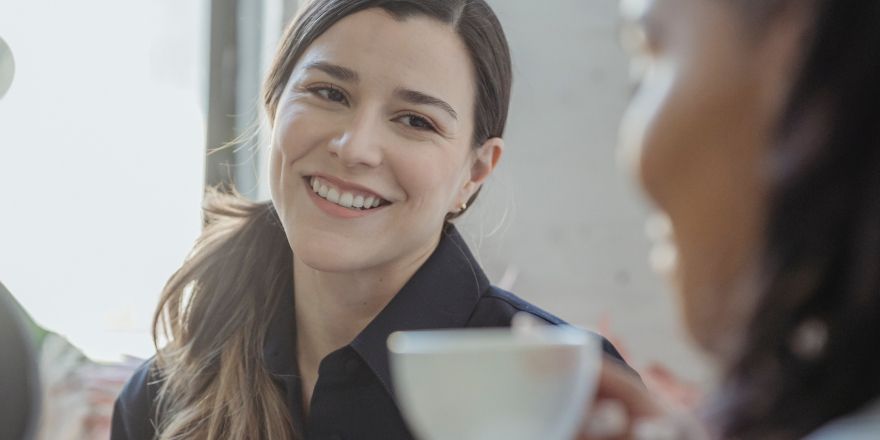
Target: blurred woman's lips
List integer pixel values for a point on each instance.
(342, 199)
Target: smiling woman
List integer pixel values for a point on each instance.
(359, 124)
(386, 119)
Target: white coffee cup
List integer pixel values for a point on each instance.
(487, 384)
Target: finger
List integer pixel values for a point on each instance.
(616, 382)
(607, 420)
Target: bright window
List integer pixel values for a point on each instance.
(101, 162)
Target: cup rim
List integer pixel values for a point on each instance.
(446, 341)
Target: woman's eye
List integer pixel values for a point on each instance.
(330, 94)
(417, 122)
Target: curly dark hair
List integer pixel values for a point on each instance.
(821, 257)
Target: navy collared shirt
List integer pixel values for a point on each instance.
(353, 397)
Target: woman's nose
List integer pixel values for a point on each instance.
(359, 144)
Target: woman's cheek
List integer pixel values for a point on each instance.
(298, 131)
(427, 178)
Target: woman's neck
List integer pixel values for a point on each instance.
(332, 308)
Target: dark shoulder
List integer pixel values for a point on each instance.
(497, 307)
(133, 412)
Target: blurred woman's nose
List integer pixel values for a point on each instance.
(359, 143)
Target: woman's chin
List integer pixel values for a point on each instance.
(331, 258)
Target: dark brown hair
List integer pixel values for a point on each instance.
(821, 259)
(216, 308)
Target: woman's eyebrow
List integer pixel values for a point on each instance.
(334, 70)
(414, 97)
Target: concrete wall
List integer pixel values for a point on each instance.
(561, 220)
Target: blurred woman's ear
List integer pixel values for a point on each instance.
(782, 53)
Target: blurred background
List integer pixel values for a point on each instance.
(114, 104)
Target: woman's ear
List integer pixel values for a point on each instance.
(781, 53)
(485, 159)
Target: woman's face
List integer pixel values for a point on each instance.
(695, 133)
(372, 143)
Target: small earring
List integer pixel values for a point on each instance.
(809, 339)
(463, 207)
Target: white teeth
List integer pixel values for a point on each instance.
(333, 195)
(346, 199)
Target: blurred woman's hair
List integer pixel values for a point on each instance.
(215, 310)
(810, 351)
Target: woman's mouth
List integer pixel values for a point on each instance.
(356, 200)
(664, 254)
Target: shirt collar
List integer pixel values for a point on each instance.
(279, 347)
(441, 294)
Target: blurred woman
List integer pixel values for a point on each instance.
(386, 119)
(19, 377)
(755, 133)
